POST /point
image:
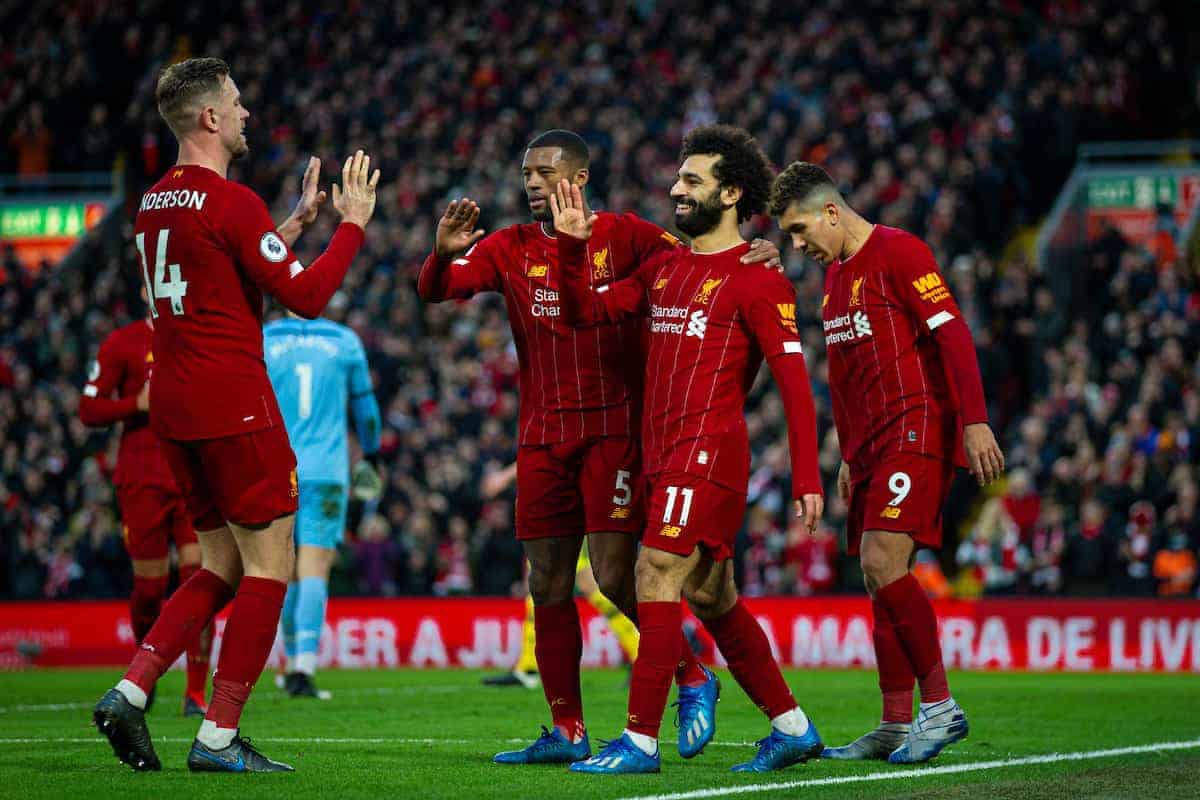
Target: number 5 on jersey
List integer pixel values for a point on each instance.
(174, 289)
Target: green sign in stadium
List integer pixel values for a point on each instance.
(48, 220)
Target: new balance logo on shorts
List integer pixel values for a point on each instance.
(670, 531)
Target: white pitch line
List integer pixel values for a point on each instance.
(264, 696)
(44, 707)
(315, 740)
(1050, 758)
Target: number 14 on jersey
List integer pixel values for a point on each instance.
(173, 288)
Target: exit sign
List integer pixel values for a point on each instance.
(48, 220)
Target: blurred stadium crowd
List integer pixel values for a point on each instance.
(958, 121)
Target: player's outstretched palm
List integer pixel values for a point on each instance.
(456, 230)
(355, 198)
(311, 197)
(570, 215)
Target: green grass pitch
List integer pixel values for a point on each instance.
(401, 734)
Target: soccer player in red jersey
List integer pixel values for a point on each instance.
(209, 251)
(578, 462)
(907, 402)
(711, 322)
(152, 509)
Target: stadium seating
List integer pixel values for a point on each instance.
(960, 127)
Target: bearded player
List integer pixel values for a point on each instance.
(711, 323)
(153, 512)
(907, 401)
(578, 460)
(209, 251)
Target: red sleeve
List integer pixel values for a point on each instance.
(477, 270)
(922, 290)
(261, 252)
(769, 308)
(611, 302)
(96, 404)
(648, 239)
(957, 349)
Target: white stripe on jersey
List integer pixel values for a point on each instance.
(895, 353)
(295, 268)
(793, 347)
(938, 320)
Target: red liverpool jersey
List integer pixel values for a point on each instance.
(209, 250)
(574, 384)
(123, 365)
(711, 321)
(886, 379)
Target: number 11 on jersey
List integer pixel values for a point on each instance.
(174, 289)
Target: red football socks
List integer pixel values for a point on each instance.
(915, 625)
(657, 661)
(145, 603)
(748, 653)
(183, 616)
(895, 673)
(249, 634)
(559, 649)
(199, 651)
(688, 671)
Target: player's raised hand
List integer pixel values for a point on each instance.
(984, 457)
(843, 482)
(809, 509)
(570, 215)
(355, 198)
(311, 197)
(456, 230)
(763, 251)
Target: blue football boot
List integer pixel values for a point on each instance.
(697, 715)
(550, 748)
(779, 751)
(619, 757)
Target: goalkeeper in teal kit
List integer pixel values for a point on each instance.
(319, 370)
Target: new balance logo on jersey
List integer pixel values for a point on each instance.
(537, 271)
(697, 324)
(706, 291)
(931, 288)
(660, 284)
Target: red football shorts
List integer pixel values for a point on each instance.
(903, 493)
(685, 511)
(150, 516)
(248, 479)
(579, 487)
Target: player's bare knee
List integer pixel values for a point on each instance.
(150, 567)
(882, 562)
(713, 594)
(548, 586)
(615, 581)
(660, 575)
